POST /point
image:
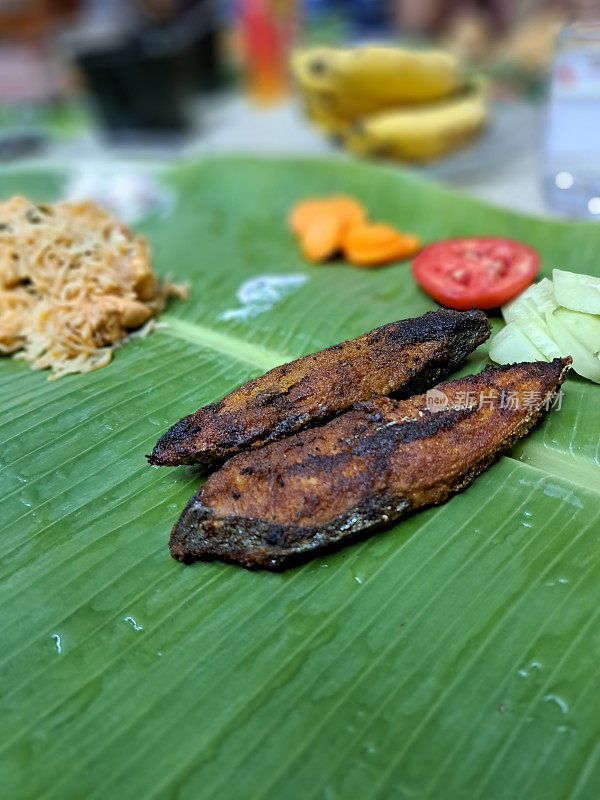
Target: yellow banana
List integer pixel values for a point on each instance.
(422, 132)
(364, 79)
(314, 78)
(325, 119)
(312, 68)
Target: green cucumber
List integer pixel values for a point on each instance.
(577, 292)
(584, 327)
(538, 297)
(511, 345)
(584, 362)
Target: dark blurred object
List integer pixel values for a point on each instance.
(356, 19)
(198, 22)
(138, 87)
(143, 81)
(207, 60)
(20, 143)
(367, 18)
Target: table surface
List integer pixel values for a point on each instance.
(502, 166)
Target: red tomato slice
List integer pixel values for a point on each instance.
(481, 271)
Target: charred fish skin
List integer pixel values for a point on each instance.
(326, 487)
(401, 357)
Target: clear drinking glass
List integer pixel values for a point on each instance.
(571, 168)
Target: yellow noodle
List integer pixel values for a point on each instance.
(73, 282)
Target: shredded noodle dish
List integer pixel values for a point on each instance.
(74, 282)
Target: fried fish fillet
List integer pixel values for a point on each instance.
(401, 357)
(320, 488)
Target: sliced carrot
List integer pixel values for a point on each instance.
(372, 244)
(328, 224)
(322, 237)
(303, 213)
(411, 245)
(349, 211)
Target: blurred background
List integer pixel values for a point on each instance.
(115, 87)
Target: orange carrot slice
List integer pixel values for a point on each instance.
(372, 244)
(410, 246)
(349, 211)
(322, 237)
(303, 213)
(328, 224)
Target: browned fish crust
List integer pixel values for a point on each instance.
(402, 358)
(321, 488)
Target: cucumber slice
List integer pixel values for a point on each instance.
(542, 294)
(584, 327)
(577, 292)
(537, 297)
(584, 362)
(536, 330)
(510, 345)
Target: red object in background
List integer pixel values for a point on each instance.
(28, 68)
(268, 28)
(480, 271)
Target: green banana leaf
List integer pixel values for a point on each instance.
(453, 656)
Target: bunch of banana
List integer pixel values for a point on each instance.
(390, 101)
(420, 133)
